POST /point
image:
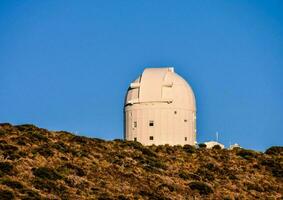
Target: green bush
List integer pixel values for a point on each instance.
(2, 132)
(148, 152)
(46, 173)
(5, 167)
(151, 163)
(275, 166)
(37, 136)
(26, 127)
(202, 145)
(80, 139)
(43, 150)
(122, 197)
(50, 186)
(136, 145)
(217, 147)
(186, 175)
(60, 146)
(170, 187)
(12, 184)
(189, 148)
(253, 186)
(8, 147)
(118, 140)
(22, 140)
(6, 195)
(275, 150)
(201, 187)
(246, 154)
(206, 174)
(3, 142)
(71, 167)
(30, 194)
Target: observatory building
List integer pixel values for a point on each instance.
(160, 109)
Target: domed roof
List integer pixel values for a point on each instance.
(161, 85)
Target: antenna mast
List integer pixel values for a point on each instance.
(216, 136)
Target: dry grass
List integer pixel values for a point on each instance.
(40, 164)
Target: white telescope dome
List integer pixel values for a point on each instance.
(160, 109)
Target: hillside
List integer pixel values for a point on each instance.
(39, 164)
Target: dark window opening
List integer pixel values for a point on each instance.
(150, 137)
(175, 112)
(185, 120)
(135, 139)
(151, 123)
(135, 124)
(185, 138)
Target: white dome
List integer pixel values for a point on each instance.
(161, 85)
(160, 96)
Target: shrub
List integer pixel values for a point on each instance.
(148, 152)
(26, 127)
(186, 175)
(30, 194)
(49, 186)
(205, 174)
(8, 147)
(22, 140)
(189, 148)
(12, 184)
(46, 173)
(152, 163)
(118, 140)
(152, 195)
(254, 186)
(201, 187)
(3, 142)
(68, 166)
(246, 154)
(136, 145)
(170, 187)
(217, 147)
(169, 149)
(6, 195)
(80, 139)
(275, 150)
(5, 167)
(43, 150)
(202, 145)
(274, 166)
(38, 136)
(60, 146)
(122, 197)
(2, 132)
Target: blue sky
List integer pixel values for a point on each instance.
(66, 65)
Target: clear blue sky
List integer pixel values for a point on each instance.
(66, 65)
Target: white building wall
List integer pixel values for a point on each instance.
(168, 128)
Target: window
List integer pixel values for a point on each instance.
(150, 137)
(185, 120)
(135, 139)
(175, 112)
(135, 124)
(151, 123)
(185, 138)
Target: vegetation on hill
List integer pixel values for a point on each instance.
(39, 164)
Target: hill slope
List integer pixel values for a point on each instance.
(39, 164)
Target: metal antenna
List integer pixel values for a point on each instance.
(216, 136)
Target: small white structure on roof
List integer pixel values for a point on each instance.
(211, 144)
(232, 146)
(160, 109)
